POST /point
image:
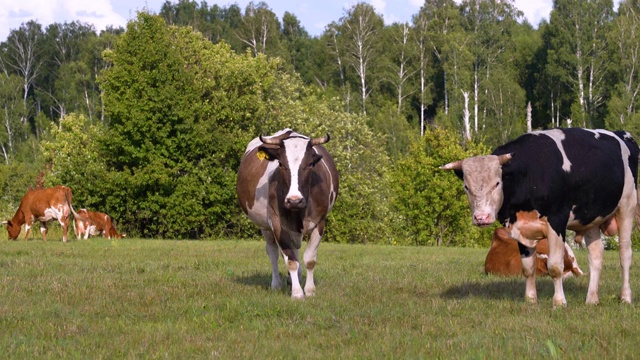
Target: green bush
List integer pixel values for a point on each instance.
(431, 201)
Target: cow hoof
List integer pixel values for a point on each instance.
(625, 297)
(310, 292)
(592, 300)
(559, 303)
(296, 296)
(531, 299)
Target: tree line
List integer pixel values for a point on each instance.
(148, 123)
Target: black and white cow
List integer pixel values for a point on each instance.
(545, 182)
(287, 184)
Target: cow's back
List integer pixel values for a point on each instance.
(35, 202)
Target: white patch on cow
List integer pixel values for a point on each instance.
(557, 136)
(53, 213)
(258, 213)
(332, 191)
(574, 262)
(295, 149)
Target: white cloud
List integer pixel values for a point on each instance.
(100, 13)
(535, 11)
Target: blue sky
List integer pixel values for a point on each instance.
(314, 15)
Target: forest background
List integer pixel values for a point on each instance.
(149, 123)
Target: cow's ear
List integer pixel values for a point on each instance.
(267, 152)
(315, 158)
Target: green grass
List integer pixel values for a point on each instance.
(210, 299)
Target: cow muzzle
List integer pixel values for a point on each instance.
(295, 202)
(483, 219)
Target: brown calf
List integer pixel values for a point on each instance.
(95, 223)
(504, 257)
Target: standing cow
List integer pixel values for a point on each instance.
(287, 184)
(545, 182)
(43, 205)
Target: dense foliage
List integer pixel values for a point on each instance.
(148, 123)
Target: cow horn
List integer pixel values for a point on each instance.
(322, 140)
(271, 141)
(456, 165)
(4, 222)
(275, 140)
(505, 158)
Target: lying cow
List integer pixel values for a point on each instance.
(95, 223)
(42, 205)
(504, 257)
(545, 182)
(287, 184)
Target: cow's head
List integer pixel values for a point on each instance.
(13, 228)
(482, 177)
(296, 158)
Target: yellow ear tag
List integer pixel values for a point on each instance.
(262, 155)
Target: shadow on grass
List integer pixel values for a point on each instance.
(508, 288)
(263, 280)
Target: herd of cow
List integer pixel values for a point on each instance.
(537, 187)
(54, 203)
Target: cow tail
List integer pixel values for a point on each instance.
(68, 196)
(638, 209)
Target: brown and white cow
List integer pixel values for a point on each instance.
(42, 205)
(503, 257)
(95, 223)
(578, 179)
(287, 184)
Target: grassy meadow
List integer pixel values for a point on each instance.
(136, 298)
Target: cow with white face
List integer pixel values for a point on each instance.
(545, 182)
(287, 184)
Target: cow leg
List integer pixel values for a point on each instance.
(65, 228)
(593, 240)
(310, 255)
(625, 226)
(27, 230)
(529, 261)
(291, 259)
(43, 231)
(274, 254)
(555, 265)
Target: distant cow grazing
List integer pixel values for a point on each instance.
(95, 223)
(287, 184)
(545, 182)
(42, 205)
(503, 257)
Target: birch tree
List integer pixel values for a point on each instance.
(579, 47)
(361, 26)
(625, 44)
(24, 58)
(11, 127)
(400, 50)
(423, 49)
(335, 46)
(259, 27)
